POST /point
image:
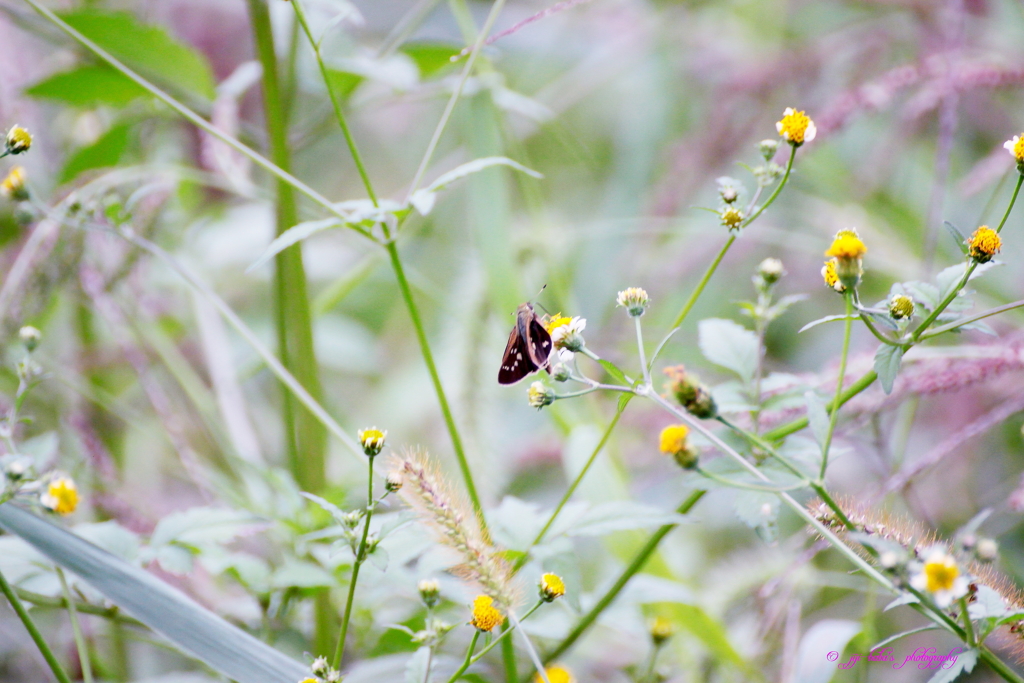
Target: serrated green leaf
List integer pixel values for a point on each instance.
(958, 237)
(614, 371)
(107, 151)
(88, 86)
(730, 345)
(887, 365)
(146, 48)
(189, 626)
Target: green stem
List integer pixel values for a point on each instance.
(631, 570)
(339, 651)
(999, 666)
(305, 438)
(878, 335)
(968, 626)
(778, 188)
(435, 378)
(469, 657)
(80, 643)
(782, 431)
(573, 486)
(508, 656)
(30, 626)
(644, 367)
(701, 285)
(973, 318)
(112, 613)
(1009, 207)
(837, 401)
(750, 487)
(335, 102)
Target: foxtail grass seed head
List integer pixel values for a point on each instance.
(674, 441)
(983, 244)
(539, 395)
(848, 251)
(30, 337)
(393, 481)
(729, 189)
(634, 300)
(13, 185)
(372, 440)
(769, 272)
(552, 587)
(567, 333)
(831, 277)
(485, 615)
(1016, 148)
(320, 667)
(430, 592)
(690, 392)
(661, 629)
(60, 496)
(796, 127)
(556, 673)
(939, 575)
(18, 140)
(901, 306)
(987, 550)
(732, 218)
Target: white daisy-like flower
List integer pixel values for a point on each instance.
(940, 576)
(1016, 148)
(569, 336)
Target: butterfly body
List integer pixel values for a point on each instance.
(528, 349)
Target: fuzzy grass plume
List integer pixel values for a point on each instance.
(426, 491)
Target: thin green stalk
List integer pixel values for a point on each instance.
(1013, 200)
(685, 311)
(646, 369)
(30, 626)
(778, 188)
(573, 486)
(469, 657)
(508, 656)
(76, 628)
(339, 651)
(750, 487)
(878, 335)
(305, 438)
(999, 666)
(112, 613)
(973, 318)
(837, 401)
(435, 378)
(968, 626)
(504, 636)
(638, 562)
(782, 431)
(335, 102)
(193, 117)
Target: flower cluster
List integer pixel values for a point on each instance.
(847, 252)
(983, 244)
(485, 615)
(539, 395)
(687, 388)
(372, 440)
(796, 127)
(552, 587)
(674, 441)
(18, 140)
(567, 335)
(634, 300)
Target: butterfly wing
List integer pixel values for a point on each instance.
(517, 362)
(538, 343)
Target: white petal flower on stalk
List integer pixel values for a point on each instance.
(940, 576)
(569, 336)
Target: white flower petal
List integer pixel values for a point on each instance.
(812, 130)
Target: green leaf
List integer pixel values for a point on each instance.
(343, 83)
(146, 48)
(195, 630)
(949, 279)
(431, 58)
(958, 236)
(711, 633)
(963, 663)
(88, 86)
(905, 599)
(294, 235)
(621, 516)
(416, 667)
(817, 417)
(726, 343)
(107, 151)
(826, 319)
(887, 365)
(624, 401)
(614, 371)
(425, 198)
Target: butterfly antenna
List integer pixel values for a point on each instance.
(539, 292)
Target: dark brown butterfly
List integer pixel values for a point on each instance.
(528, 348)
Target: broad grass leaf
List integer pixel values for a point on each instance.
(729, 344)
(107, 151)
(189, 626)
(827, 636)
(88, 86)
(146, 48)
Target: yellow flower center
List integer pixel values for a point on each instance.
(847, 246)
(661, 629)
(555, 674)
(984, 243)
(829, 274)
(18, 140)
(552, 586)
(673, 439)
(556, 321)
(485, 615)
(14, 183)
(793, 126)
(940, 574)
(1018, 149)
(61, 496)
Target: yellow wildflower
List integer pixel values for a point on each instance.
(61, 496)
(941, 577)
(372, 440)
(732, 218)
(847, 245)
(556, 674)
(551, 587)
(983, 244)
(674, 442)
(557, 320)
(18, 140)
(796, 127)
(485, 615)
(1016, 148)
(828, 272)
(901, 306)
(13, 186)
(661, 629)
